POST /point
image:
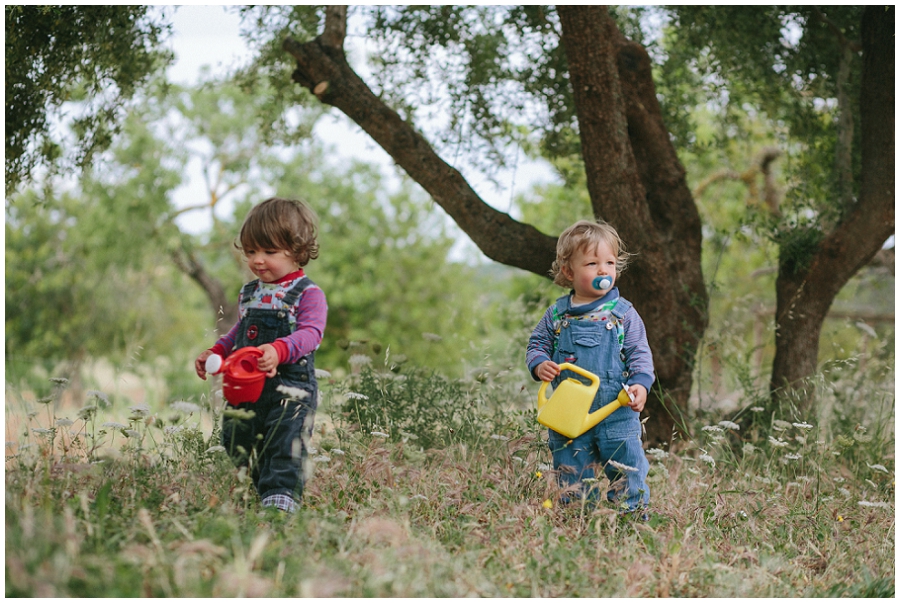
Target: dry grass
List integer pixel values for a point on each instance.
(165, 516)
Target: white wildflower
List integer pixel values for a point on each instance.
(871, 483)
(419, 496)
(838, 479)
(172, 429)
(45, 400)
(779, 443)
(87, 412)
(801, 439)
(432, 337)
(803, 425)
(657, 453)
(591, 480)
(58, 380)
(880, 505)
(780, 425)
(713, 428)
(131, 433)
(881, 468)
(623, 467)
(499, 437)
(188, 408)
(749, 448)
(793, 457)
(408, 436)
(322, 458)
(215, 449)
(708, 459)
(99, 396)
(730, 425)
(845, 492)
(322, 374)
(359, 360)
(293, 393)
(113, 425)
(140, 411)
(41, 430)
(64, 422)
(355, 396)
(756, 409)
(338, 452)
(379, 434)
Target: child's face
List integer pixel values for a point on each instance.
(585, 265)
(270, 265)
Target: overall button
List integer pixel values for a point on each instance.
(281, 315)
(625, 373)
(304, 377)
(302, 362)
(609, 326)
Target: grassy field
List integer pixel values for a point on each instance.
(108, 500)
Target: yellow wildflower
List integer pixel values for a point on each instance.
(548, 504)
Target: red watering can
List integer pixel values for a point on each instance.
(242, 381)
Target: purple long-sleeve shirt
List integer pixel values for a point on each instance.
(310, 313)
(638, 357)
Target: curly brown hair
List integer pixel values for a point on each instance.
(585, 234)
(278, 223)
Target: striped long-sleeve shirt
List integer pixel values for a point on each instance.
(638, 357)
(308, 316)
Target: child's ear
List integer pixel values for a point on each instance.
(566, 271)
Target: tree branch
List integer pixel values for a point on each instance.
(335, 27)
(327, 74)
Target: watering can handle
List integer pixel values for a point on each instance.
(565, 366)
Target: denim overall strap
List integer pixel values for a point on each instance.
(290, 298)
(247, 291)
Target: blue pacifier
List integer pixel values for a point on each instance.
(601, 283)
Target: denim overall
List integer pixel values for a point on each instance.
(594, 345)
(281, 428)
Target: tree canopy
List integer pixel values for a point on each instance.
(92, 56)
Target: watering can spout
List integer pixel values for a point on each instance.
(567, 410)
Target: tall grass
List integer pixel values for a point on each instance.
(427, 486)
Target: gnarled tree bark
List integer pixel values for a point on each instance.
(805, 291)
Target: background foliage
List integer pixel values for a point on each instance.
(427, 455)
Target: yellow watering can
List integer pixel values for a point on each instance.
(567, 410)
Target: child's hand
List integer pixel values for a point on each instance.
(547, 370)
(639, 393)
(269, 361)
(200, 364)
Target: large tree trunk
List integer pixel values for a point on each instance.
(637, 184)
(634, 179)
(807, 286)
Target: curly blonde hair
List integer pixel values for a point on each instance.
(278, 223)
(583, 235)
